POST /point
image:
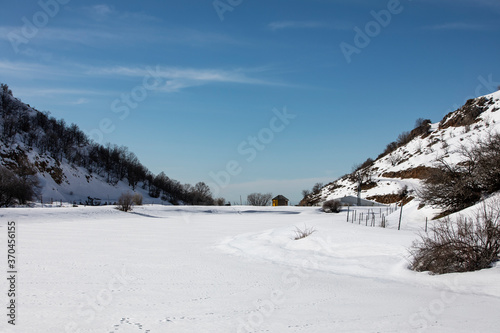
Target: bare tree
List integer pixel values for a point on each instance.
(403, 138)
(317, 188)
(419, 122)
(259, 199)
(454, 187)
(203, 193)
(8, 184)
(395, 158)
(219, 201)
(125, 202)
(361, 175)
(451, 187)
(19, 188)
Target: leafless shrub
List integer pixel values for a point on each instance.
(361, 174)
(368, 163)
(395, 158)
(303, 233)
(125, 202)
(332, 206)
(461, 246)
(220, 201)
(454, 187)
(137, 199)
(17, 188)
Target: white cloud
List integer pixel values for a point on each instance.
(492, 4)
(80, 101)
(457, 26)
(178, 78)
(170, 79)
(83, 36)
(102, 10)
(281, 25)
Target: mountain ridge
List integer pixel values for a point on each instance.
(409, 161)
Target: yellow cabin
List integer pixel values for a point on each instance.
(280, 201)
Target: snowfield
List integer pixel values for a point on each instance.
(232, 269)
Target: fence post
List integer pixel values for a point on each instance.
(400, 215)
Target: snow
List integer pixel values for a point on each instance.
(441, 143)
(233, 269)
(77, 183)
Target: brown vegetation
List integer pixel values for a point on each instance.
(420, 172)
(54, 171)
(17, 188)
(466, 115)
(125, 202)
(332, 206)
(389, 198)
(456, 187)
(461, 246)
(368, 186)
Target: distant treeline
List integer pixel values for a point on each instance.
(52, 137)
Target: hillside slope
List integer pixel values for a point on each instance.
(408, 161)
(72, 168)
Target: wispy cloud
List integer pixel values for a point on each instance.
(172, 79)
(281, 25)
(102, 10)
(105, 12)
(125, 35)
(27, 69)
(81, 101)
(458, 26)
(61, 91)
(491, 4)
(75, 36)
(176, 78)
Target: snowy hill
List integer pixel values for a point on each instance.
(71, 168)
(408, 161)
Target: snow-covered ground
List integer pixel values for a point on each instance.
(232, 269)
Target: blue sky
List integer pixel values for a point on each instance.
(250, 96)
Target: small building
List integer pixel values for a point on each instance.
(280, 201)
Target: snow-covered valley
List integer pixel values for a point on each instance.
(232, 269)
